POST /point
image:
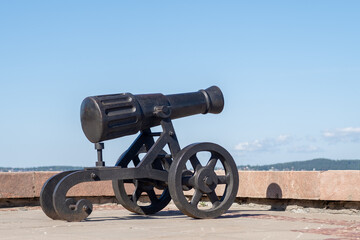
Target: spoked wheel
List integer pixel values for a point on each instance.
(147, 187)
(187, 173)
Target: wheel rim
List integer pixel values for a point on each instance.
(204, 180)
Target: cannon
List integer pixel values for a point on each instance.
(154, 163)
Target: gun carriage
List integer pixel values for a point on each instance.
(160, 175)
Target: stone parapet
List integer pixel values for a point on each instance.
(341, 185)
(302, 185)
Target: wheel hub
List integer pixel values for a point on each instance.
(206, 180)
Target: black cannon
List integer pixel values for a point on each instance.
(154, 172)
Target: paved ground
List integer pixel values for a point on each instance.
(240, 222)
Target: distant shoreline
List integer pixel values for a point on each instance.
(320, 164)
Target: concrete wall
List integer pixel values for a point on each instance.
(306, 185)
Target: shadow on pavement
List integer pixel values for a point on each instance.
(132, 216)
(170, 213)
(238, 214)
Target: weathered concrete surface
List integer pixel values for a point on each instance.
(240, 222)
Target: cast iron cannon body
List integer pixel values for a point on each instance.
(160, 175)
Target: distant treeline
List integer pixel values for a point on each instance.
(320, 164)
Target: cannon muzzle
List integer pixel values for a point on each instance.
(111, 116)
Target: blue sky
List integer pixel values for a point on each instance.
(289, 71)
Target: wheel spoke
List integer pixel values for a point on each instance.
(152, 196)
(195, 162)
(213, 199)
(136, 195)
(196, 197)
(212, 162)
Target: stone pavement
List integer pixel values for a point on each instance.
(251, 221)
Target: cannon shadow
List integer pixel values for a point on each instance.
(133, 216)
(171, 214)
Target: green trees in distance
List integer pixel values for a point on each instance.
(319, 164)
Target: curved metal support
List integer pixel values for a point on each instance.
(70, 209)
(46, 194)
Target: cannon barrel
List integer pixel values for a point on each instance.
(107, 117)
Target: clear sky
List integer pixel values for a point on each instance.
(289, 71)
